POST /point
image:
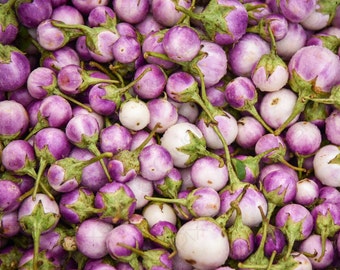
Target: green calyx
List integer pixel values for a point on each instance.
(84, 207)
(169, 188)
(196, 149)
(6, 53)
(270, 62)
(116, 205)
(328, 7)
(7, 15)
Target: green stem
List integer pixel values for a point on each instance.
(59, 93)
(43, 165)
(298, 108)
(252, 110)
(94, 149)
(36, 243)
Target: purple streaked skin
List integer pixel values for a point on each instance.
(154, 43)
(14, 120)
(83, 131)
(99, 264)
(155, 162)
(19, 157)
(139, 137)
(32, 13)
(326, 224)
(148, 25)
(279, 188)
(207, 172)
(246, 53)
(93, 176)
(82, 49)
(52, 243)
(10, 194)
(107, 98)
(99, 40)
(21, 95)
(125, 165)
(152, 84)
(162, 111)
(65, 174)
(181, 43)
(296, 222)
(329, 194)
(115, 138)
(141, 187)
(15, 65)
(67, 14)
(133, 12)
(241, 237)
(332, 127)
(275, 240)
(52, 38)
(100, 15)
(165, 13)
(164, 231)
(326, 166)
(318, 80)
(277, 24)
(226, 28)
(76, 110)
(91, 236)
(249, 131)
(60, 58)
(270, 141)
(54, 111)
(276, 107)
(9, 224)
(200, 202)
(73, 79)
(249, 205)
(307, 192)
(129, 235)
(298, 10)
(126, 49)
(182, 211)
(50, 144)
(303, 138)
(240, 91)
(270, 73)
(127, 30)
(188, 112)
(318, 19)
(215, 94)
(241, 94)
(256, 14)
(156, 211)
(213, 64)
(313, 245)
(86, 7)
(324, 77)
(227, 125)
(296, 38)
(41, 82)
